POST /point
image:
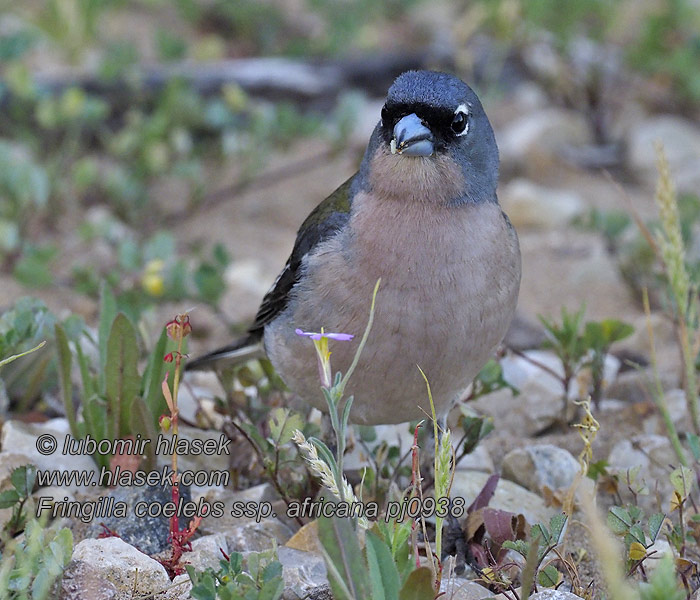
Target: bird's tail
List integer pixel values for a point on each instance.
(247, 348)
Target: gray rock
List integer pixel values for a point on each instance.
(243, 533)
(303, 572)
(535, 467)
(148, 534)
(652, 453)
(681, 142)
(21, 438)
(206, 552)
(636, 385)
(509, 496)
(82, 580)
(524, 334)
(536, 139)
(554, 595)
(477, 460)
(131, 572)
(458, 588)
(534, 206)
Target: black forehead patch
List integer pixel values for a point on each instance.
(429, 88)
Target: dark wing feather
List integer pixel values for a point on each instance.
(323, 222)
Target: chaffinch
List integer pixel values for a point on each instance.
(421, 214)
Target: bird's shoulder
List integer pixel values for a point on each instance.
(329, 217)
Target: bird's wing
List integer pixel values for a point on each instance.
(323, 222)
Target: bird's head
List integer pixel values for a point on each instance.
(434, 142)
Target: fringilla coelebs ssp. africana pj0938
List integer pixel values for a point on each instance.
(421, 214)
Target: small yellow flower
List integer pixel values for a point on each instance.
(152, 278)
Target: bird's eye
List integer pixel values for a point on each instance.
(459, 123)
(385, 116)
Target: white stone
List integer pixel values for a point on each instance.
(535, 467)
(530, 205)
(681, 142)
(206, 552)
(130, 571)
(554, 595)
(22, 437)
(302, 572)
(540, 136)
(508, 496)
(458, 588)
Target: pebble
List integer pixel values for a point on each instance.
(681, 142)
(509, 496)
(122, 566)
(533, 206)
(535, 467)
(458, 588)
(303, 572)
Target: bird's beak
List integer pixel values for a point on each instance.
(411, 137)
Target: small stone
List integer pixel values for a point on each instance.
(524, 334)
(554, 595)
(458, 588)
(509, 496)
(302, 572)
(82, 580)
(536, 140)
(245, 533)
(206, 552)
(529, 205)
(652, 454)
(306, 538)
(681, 142)
(478, 459)
(535, 467)
(123, 566)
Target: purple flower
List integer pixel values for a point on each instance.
(341, 337)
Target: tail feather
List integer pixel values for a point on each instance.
(240, 351)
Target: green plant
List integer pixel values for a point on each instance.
(357, 575)
(581, 346)
(23, 480)
(30, 568)
(116, 401)
(258, 576)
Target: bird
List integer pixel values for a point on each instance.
(422, 215)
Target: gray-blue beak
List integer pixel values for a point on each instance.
(411, 137)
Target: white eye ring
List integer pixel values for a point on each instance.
(462, 108)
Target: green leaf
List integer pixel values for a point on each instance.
(636, 534)
(122, 380)
(556, 525)
(108, 312)
(619, 520)
(283, 424)
(418, 586)
(23, 479)
(548, 576)
(64, 373)
(520, 546)
(655, 523)
(694, 443)
(141, 421)
(383, 574)
(152, 378)
(347, 572)
(682, 481)
(96, 424)
(9, 498)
